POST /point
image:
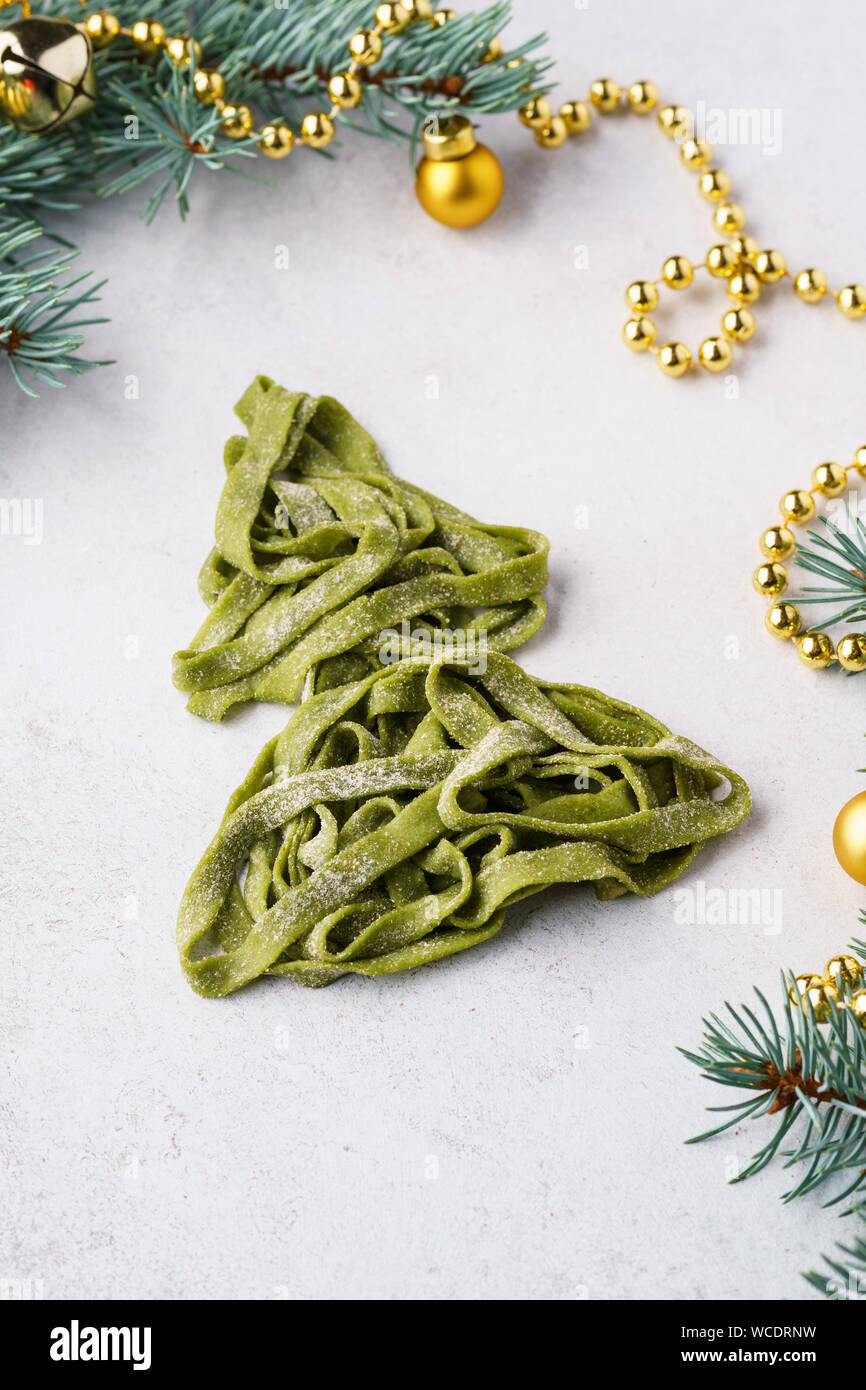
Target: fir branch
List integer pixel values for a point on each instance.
(839, 557)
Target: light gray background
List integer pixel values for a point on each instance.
(508, 1124)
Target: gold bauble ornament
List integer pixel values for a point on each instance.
(46, 73)
(458, 182)
(849, 837)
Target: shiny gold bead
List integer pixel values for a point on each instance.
(417, 10)
(604, 95)
(442, 17)
(365, 47)
(642, 296)
(714, 184)
(860, 460)
(858, 1007)
(845, 968)
(536, 113)
(744, 247)
(576, 115)
(778, 543)
(392, 18)
(801, 986)
(783, 620)
(642, 97)
(830, 478)
(208, 85)
(102, 28)
(678, 272)
(639, 334)
(674, 359)
(770, 266)
(512, 62)
(492, 51)
(722, 261)
(674, 121)
(798, 506)
(553, 134)
(816, 649)
(180, 50)
(344, 90)
(237, 122)
(811, 285)
(148, 35)
(851, 651)
(821, 997)
(852, 301)
(729, 218)
(715, 354)
(744, 286)
(738, 325)
(695, 154)
(276, 140)
(317, 130)
(770, 580)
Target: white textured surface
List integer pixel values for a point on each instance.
(436, 1135)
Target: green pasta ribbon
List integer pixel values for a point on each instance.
(425, 782)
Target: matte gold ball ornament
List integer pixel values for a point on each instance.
(849, 838)
(46, 73)
(458, 182)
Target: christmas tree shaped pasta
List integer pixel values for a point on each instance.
(397, 816)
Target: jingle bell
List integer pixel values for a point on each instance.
(46, 73)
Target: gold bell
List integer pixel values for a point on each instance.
(46, 73)
(458, 181)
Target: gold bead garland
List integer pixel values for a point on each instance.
(821, 993)
(778, 543)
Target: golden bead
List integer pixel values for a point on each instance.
(801, 986)
(860, 460)
(857, 1006)
(678, 272)
(696, 154)
(553, 134)
(845, 968)
(674, 121)
(851, 651)
(418, 10)
(744, 286)
(392, 18)
(769, 266)
(148, 35)
(715, 354)
(815, 649)
(458, 182)
(729, 218)
(536, 113)
(674, 359)
(783, 620)
(849, 837)
(811, 285)
(365, 47)
(770, 580)
(576, 115)
(778, 543)
(744, 247)
(452, 14)
(821, 996)
(639, 334)
(102, 28)
(604, 95)
(180, 51)
(714, 184)
(492, 51)
(441, 17)
(722, 261)
(642, 97)
(738, 324)
(276, 140)
(208, 85)
(237, 122)
(344, 90)
(852, 301)
(317, 130)
(642, 296)
(798, 506)
(830, 478)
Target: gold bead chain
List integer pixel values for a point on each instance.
(819, 994)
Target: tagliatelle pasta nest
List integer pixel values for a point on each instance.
(407, 802)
